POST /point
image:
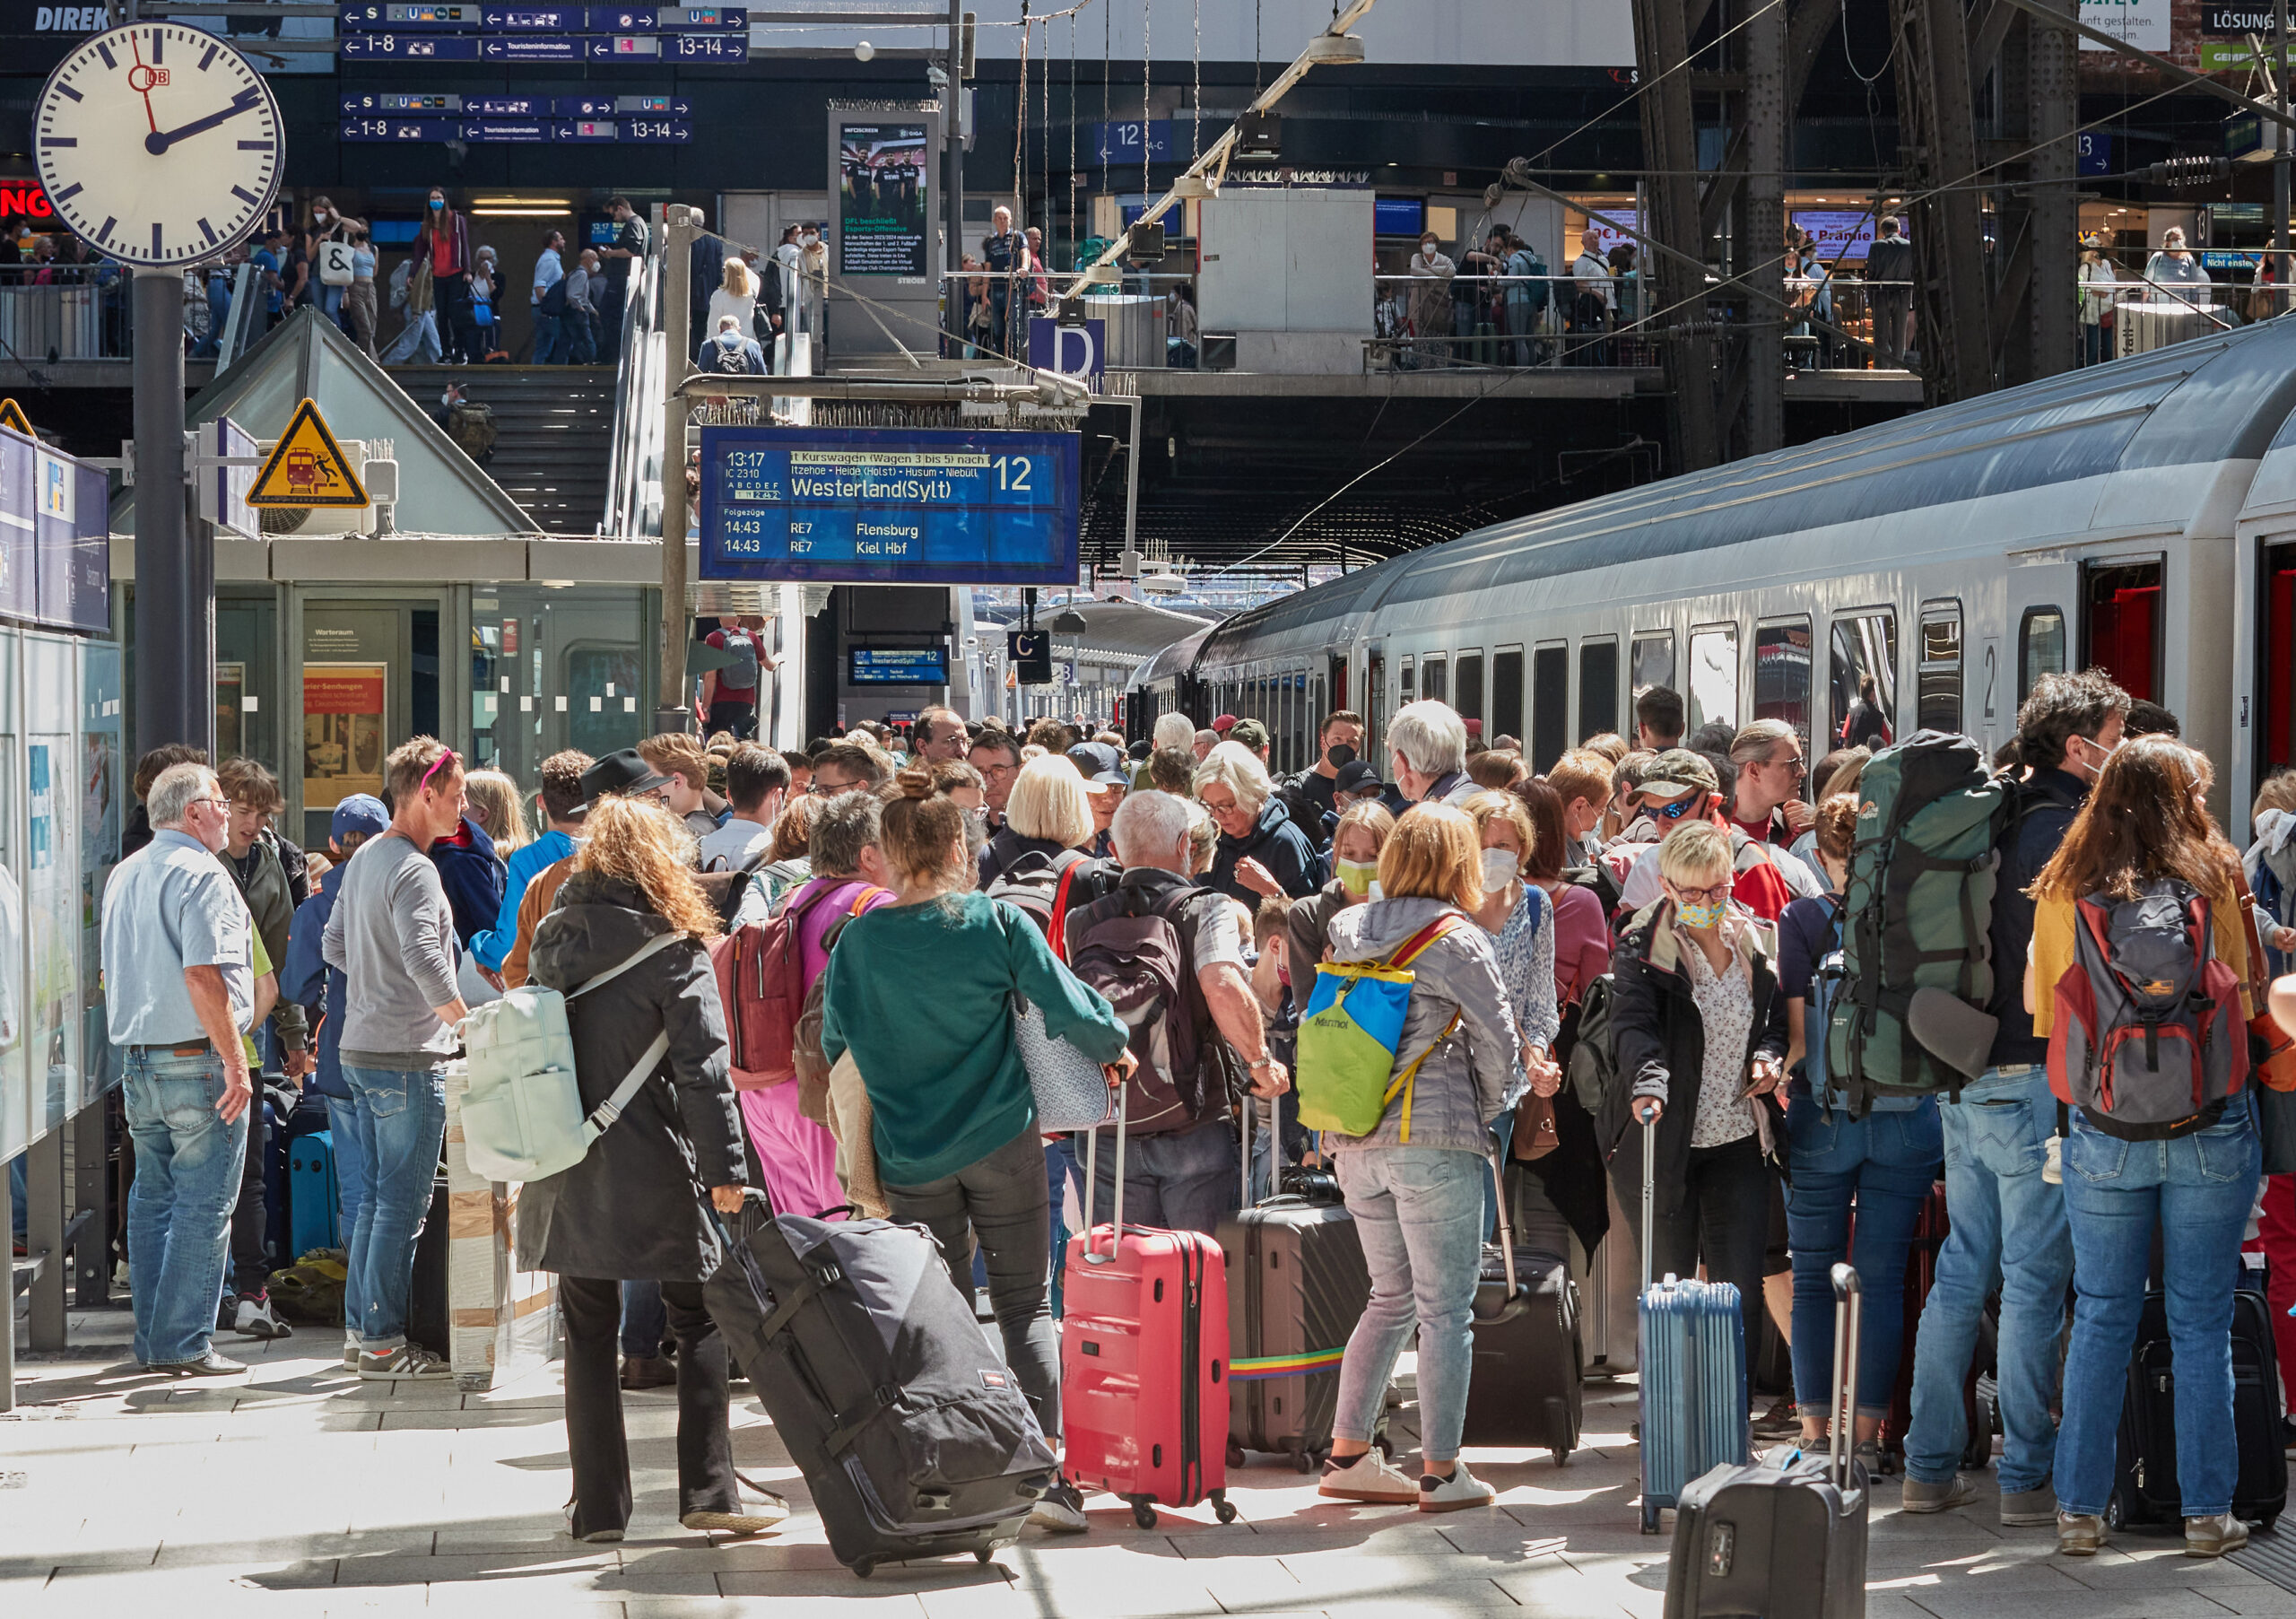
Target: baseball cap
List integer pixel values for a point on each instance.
(360, 812)
(1474, 728)
(1675, 771)
(1355, 777)
(1224, 724)
(1251, 733)
(620, 774)
(1098, 763)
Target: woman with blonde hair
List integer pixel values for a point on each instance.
(1414, 1183)
(631, 921)
(1355, 844)
(736, 294)
(1698, 1028)
(955, 1123)
(1048, 814)
(494, 805)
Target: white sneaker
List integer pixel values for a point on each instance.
(406, 1361)
(1462, 1489)
(255, 1319)
(1369, 1476)
(1061, 1509)
(351, 1347)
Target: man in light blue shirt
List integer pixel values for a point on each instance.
(179, 988)
(561, 805)
(550, 269)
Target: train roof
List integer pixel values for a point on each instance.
(2223, 397)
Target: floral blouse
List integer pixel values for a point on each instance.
(1726, 1007)
(1526, 950)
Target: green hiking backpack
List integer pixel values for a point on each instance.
(1910, 1016)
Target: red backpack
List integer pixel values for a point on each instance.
(760, 972)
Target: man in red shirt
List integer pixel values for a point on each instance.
(1767, 805)
(730, 694)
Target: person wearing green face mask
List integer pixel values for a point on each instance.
(1699, 1031)
(1357, 839)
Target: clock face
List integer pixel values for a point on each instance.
(158, 144)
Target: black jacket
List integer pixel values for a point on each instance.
(1006, 846)
(1276, 843)
(1657, 1034)
(2042, 811)
(632, 1210)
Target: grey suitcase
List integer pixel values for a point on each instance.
(1762, 1538)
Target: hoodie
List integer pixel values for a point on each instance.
(1471, 1075)
(472, 874)
(632, 1209)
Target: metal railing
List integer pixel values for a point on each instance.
(634, 479)
(65, 311)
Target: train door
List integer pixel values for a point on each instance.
(2123, 625)
(2042, 595)
(2273, 663)
(1938, 703)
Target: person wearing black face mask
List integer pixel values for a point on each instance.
(1308, 796)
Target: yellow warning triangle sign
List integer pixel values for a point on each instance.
(11, 415)
(307, 467)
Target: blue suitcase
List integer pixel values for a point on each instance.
(1693, 1374)
(314, 1197)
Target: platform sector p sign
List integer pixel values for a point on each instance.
(1071, 351)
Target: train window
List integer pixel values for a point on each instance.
(1653, 660)
(1434, 680)
(1550, 705)
(1937, 692)
(2120, 625)
(2276, 662)
(1713, 675)
(1469, 702)
(1862, 685)
(1404, 694)
(1507, 693)
(2041, 648)
(1375, 694)
(1598, 686)
(1782, 674)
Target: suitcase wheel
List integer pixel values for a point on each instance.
(1143, 1511)
(865, 1567)
(984, 1554)
(1305, 1461)
(1562, 1454)
(1222, 1507)
(2117, 1510)
(1235, 1454)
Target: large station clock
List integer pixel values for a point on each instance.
(158, 144)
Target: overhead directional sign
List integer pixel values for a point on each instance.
(307, 467)
(12, 414)
(889, 506)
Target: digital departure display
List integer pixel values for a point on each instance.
(889, 506)
(897, 667)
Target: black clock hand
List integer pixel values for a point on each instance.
(159, 141)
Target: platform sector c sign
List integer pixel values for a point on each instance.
(889, 506)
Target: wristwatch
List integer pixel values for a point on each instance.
(1264, 1062)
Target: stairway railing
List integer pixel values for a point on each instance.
(634, 487)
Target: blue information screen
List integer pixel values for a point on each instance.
(889, 506)
(898, 665)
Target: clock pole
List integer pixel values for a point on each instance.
(174, 580)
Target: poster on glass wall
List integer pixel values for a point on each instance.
(230, 684)
(343, 731)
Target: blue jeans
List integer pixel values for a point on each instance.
(1418, 1211)
(546, 328)
(2008, 1232)
(1188, 1182)
(350, 1183)
(2197, 1191)
(1888, 1161)
(398, 1118)
(645, 1320)
(1061, 1168)
(188, 1168)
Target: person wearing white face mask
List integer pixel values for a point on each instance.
(1520, 920)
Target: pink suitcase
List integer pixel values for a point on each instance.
(1144, 1360)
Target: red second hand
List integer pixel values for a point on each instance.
(149, 117)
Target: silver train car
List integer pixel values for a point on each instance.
(2138, 517)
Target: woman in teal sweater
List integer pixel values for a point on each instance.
(920, 991)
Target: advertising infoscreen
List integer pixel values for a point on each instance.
(883, 214)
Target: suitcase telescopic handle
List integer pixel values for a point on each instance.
(1841, 1416)
(1649, 1196)
(1091, 1164)
(1515, 1302)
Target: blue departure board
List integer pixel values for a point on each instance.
(896, 666)
(889, 506)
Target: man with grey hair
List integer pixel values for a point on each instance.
(1427, 747)
(1767, 805)
(1173, 730)
(179, 980)
(1183, 1176)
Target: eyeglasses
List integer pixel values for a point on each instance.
(1676, 810)
(1793, 762)
(829, 788)
(1703, 896)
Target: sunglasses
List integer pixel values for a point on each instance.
(445, 759)
(1675, 811)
